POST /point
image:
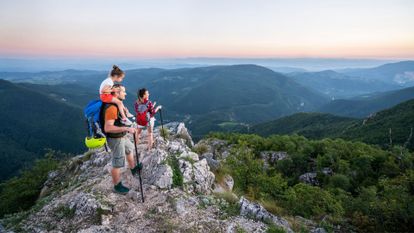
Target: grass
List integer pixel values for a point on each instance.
(227, 196)
(151, 213)
(230, 206)
(177, 175)
(275, 229)
(273, 207)
(200, 148)
(64, 211)
(219, 174)
(98, 216)
(165, 133)
(240, 229)
(188, 159)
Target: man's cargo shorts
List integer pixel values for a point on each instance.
(120, 147)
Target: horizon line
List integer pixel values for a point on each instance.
(63, 57)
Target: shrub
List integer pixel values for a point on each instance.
(339, 181)
(20, 193)
(309, 201)
(200, 148)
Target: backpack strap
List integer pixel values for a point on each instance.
(117, 122)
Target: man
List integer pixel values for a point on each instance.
(120, 145)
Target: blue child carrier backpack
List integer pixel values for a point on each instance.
(95, 137)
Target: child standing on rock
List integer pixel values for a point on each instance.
(145, 111)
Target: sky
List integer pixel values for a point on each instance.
(380, 29)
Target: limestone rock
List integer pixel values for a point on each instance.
(273, 156)
(189, 155)
(257, 211)
(327, 171)
(309, 178)
(318, 230)
(228, 182)
(203, 177)
(212, 163)
(84, 204)
(155, 171)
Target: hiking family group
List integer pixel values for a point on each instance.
(108, 125)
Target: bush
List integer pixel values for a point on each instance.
(200, 149)
(339, 181)
(371, 187)
(250, 177)
(309, 201)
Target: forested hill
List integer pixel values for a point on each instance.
(32, 121)
(374, 129)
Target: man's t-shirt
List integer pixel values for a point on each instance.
(111, 113)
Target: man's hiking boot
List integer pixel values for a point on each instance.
(121, 189)
(136, 169)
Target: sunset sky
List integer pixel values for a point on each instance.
(211, 28)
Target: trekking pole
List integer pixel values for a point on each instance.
(139, 171)
(162, 125)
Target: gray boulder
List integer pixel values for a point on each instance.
(212, 163)
(273, 156)
(309, 178)
(203, 177)
(85, 204)
(155, 171)
(318, 230)
(256, 211)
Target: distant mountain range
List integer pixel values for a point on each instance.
(400, 73)
(374, 129)
(349, 83)
(206, 98)
(57, 64)
(338, 86)
(365, 105)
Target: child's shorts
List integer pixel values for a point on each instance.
(106, 98)
(149, 126)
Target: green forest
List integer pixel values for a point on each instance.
(369, 189)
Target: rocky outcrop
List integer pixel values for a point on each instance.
(327, 171)
(79, 196)
(178, 187)
(273, 156)
(157, 171)
(256, 211)
(309, 178)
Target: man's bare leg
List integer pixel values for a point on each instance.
(116, 175)
(130, 160)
